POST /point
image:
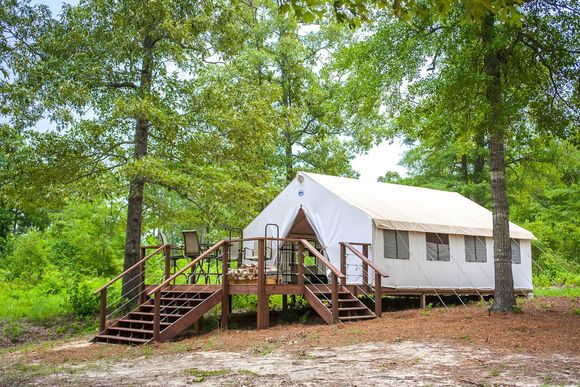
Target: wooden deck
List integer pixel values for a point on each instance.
(162, 310)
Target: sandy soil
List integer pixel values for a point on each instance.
(393, 364)
(439, 347)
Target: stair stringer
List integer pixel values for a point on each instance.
(191, 317)
(317, 305)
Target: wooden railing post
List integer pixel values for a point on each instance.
(141, 268)
(343, 262)
(334, 298)
(263, 299)
(300, 264)
(103, 310)
(156, 315)
(225, 285)
(167, 261)
(378, 294)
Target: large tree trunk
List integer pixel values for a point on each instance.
(289, 165)
(479, 159)
(504, 285)
(133, 279)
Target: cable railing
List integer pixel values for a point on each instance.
(133, 287)
(335, 276)
(366, 264)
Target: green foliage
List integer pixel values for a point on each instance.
(80, 300)
(30, 302)
(29, 258)
(87, 238)
(13, 330)
(565, 291)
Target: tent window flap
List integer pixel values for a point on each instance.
(437, 247)
(396, 244)
(475, 250)
(516, 253)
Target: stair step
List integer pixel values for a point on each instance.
(122, 338)
(131, 321)
(180, 299)
(123, 329)
(183, 292)
(160, 314)
(353, 308)
(361, 317)
(149, 306)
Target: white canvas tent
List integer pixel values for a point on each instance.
(423, 238)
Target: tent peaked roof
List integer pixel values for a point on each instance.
(402, 207)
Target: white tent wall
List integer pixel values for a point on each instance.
(418, 272)
(333, 219)
(523, 272)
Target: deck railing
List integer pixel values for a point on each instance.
(217, 257)
(366, 287)
(134, 284)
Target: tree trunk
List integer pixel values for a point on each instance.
(137, 185)
(504, 285)
(479, 159)
(289, 165)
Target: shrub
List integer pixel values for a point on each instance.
(29, 258)
(13, 330)
(79, 299)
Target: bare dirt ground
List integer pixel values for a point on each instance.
(439, 347)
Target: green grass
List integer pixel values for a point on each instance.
(32, 304)
(571, 292)
(200, 375)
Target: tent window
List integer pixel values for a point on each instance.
(396, 244)
(438, 247)
(475, 249)
(516, 253)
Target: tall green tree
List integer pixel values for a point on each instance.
(126, 84)
(503, 81)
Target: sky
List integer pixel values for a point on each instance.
(375, 163)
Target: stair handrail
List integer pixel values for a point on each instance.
(188, 266)
(157, 250)
(379, 274)
(360, 255)
(335, 276)
(321, 257)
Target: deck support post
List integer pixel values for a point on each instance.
(300, 279)
(263, 299)
(284, 301)
(156, 315)
(225, 285)
(103, 310)
(422, 301)
(167, 261)
(334, 298)
(343, 262)
(378, 295)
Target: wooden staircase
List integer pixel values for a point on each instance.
(178, 310)
(350, 308)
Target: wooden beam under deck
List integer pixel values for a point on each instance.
(299, 289)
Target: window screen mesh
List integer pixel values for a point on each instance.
(516, 253)
(475, 250)
(396, 244)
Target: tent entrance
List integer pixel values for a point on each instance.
(288, 259)
(301, 228)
